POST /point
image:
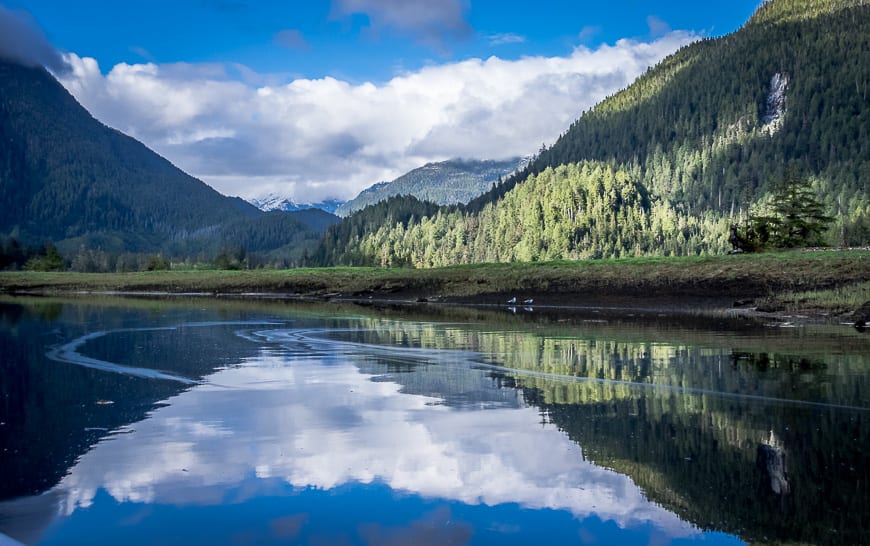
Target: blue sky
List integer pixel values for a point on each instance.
(350, 92)
(337, 38)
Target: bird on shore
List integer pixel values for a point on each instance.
(512, 300)
(529, 301)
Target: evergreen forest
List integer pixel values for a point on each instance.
(700, 142)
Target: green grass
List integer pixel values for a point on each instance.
(841, 299)
(826, 279)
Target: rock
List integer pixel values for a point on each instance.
(861, 317)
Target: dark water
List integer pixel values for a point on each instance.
(166, 422)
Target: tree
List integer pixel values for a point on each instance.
(48, 260)
(795, 217)
(799, 217)
(230, 259)
(157, 263)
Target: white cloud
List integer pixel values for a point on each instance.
(317, 138)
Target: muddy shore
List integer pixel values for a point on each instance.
(829, 287)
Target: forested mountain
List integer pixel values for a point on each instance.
(95, 192)
(665, 166)
(445, 183)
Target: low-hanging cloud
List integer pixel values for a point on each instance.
(317, 138)
(22, 41)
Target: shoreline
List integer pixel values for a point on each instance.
(708, 307)
(808, 287)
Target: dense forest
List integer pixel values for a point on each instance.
(106, 202)
(588, 210)
(699, 142)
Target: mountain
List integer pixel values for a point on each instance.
(695, 144)
(67, 178)
(445, 183)
(273, 201)
(63, 174)
(711, 125)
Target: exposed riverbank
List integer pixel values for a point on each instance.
(833, 284)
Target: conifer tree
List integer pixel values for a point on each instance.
(799, 216)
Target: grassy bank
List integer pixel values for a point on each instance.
(835, 281)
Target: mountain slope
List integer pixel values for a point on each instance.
(65, 175)
(705, 126)
(445, 183)
(689, 148)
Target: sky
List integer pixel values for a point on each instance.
(320, 99)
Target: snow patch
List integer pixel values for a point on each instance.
(273, 201)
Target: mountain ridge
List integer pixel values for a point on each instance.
(275, 201)
(444, 183)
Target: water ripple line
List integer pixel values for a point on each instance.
(69, 352)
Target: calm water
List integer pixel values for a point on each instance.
(149, 422)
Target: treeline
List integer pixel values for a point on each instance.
(586, 210)
(276, 240)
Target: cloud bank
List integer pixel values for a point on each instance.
(23, 42)
(316, 138)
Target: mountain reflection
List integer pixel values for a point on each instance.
(323, 423)
(678, 431)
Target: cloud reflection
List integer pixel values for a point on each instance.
(322, 422)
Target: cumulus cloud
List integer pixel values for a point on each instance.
(431, 23)
(23, 42)
(315, 138)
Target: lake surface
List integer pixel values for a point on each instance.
(199, 422)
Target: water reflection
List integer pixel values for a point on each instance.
(322, 422)
(470, 433)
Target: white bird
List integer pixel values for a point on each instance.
(529, 301)
(512, 300)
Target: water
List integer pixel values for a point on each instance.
(187, 422)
